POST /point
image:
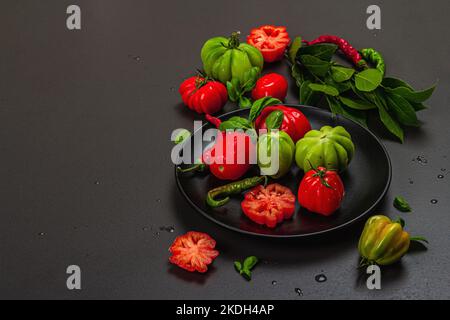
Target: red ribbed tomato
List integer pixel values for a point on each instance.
(295, 124)
(321, 191)
(203, 95)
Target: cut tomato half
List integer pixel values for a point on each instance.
(193, 251)
(270, 205)
(270, 40)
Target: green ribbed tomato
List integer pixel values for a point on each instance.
(286, 150)
(224, 59)
(330, 147)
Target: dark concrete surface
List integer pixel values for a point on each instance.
(85, 170)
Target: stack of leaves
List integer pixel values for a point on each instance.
(354, 93)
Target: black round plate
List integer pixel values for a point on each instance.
(366, 181)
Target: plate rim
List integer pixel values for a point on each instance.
(304, 235)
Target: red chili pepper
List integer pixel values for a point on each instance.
(213, 120)
(350, 52)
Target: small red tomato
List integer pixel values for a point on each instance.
(321, 191)
(295, 124)
(270, 205)
(270, 40)
(273, 85)
(218, 158)
(193, 251)
(203, 95)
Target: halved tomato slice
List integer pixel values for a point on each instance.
(193, 251)
(270, 40)
(270, 205)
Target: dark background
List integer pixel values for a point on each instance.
(85, 170)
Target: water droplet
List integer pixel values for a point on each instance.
(440, 176)
(157, 233)
(168, 229)
(137, 58)
(443, 169)
(298, 291)
(172, 89)
(274, 283)
(41, 234)
(158, 200)
(411, 181)
(321, 278)
(434, 201)
(421, 160)
(97, 182)
(145, 229)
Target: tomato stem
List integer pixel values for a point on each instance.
(234, 42)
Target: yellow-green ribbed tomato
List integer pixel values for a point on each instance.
(286, 150)
(224, 59)
(328, 147)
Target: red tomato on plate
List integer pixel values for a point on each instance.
(202, 95)
(321, 191)
(269, 205)
(270, 40)
(216, 156)
(273, 85)
(193, 251)
(295, 124)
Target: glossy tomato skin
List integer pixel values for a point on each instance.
(273, 85)
(216, 156)
(295, 124)
(315, 196)
(203, 96)
(193, 251)
(269, 205)
(270, 40)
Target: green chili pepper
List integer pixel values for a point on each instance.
(374, 57)
(232, 188)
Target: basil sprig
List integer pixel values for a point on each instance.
(355, 93)
(401, 204)
(245, 268)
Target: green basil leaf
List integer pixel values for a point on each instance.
(293, 49)
(232, 94)
(246, 274)
(368, 80)
(340, 74)
(419, 239)
(235, 123)
(390, 123)
(315, 65)
(307, 96)
(238, 266)
(393, 83)
(250, 78)
(322, 51)
(297, 74)
(274, 119)
(337, 108)
(413, 96)
(327, 89)
(250, 262)
(402, 110)
(357, 104)
(340, 86)
(334, 105)
(245, 102)
(418, 106)
(401, 204)
(260, 104)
